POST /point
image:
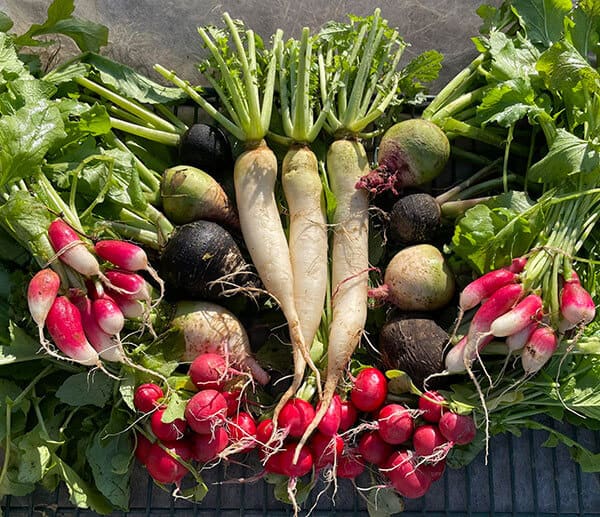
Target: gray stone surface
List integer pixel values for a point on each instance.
(149, 31)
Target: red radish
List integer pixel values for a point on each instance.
(131, 309)
(108, 315)
(163, 466)
(518, 340)
(428, 440)
(131, 285)
(517, 265)
(109, 347)
(122, 254)
(330, 423)
(499, 303)
(538, 350)
(348, 415)
(147, 396)
(242, 430)
(167, 431)
(409, 480)
(302, 466)
(65, 327)
(233, 401)
(209, 371)
(395, 424)
(483, 287)
(295, 416)
(274, 465)
(457, 429)
(431, 405)
(518, 318)
(326, 449)
(206, 447)
(369, 390)
(41, 293)
(71, 249)
(350, 465)
(434, 470)
(576, 304)
(142, 448)
(264, 431)
(374, 449)
(205, 411)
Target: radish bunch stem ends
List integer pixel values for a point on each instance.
(240, 71)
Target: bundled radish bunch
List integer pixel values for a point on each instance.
(86, 321)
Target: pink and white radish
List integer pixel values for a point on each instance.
(130, 285)
(518, 340)
(109, 316)
(42, 290)
(207, 327)
(483, 287)
(66, 329)
(576, 304)
(539, 349)
(518, 318)
(71, 249)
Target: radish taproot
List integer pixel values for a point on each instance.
(189, 194)
(295, 416)
(66, 329)
(428, 441)
(207, 327)
(350, 465)
(326, 449)
(417, 279)
(457, 429)
(431, 406)
(42, 290)
(411, 153)
(303, 189)
(330, 424)
(249, 104)
(366, 66)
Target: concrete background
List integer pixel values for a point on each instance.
(143, 32)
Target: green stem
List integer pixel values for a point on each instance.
(474, 178)
(129, 105)
(458, 105)
(155, 135)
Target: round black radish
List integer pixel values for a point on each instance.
(201, 260)
(413, 345)
(419, 279)
(415, 219)
(207, 148)
(190, 194)
(415, 151)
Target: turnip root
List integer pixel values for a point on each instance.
(417, 279)
(207, 327)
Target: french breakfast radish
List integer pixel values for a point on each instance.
(518, 340)
(66, 329)
(576, 304)
(42, 290)
(484, 286)
(109, 316)
(539, 348)
(130, 285)
(71, 249)
(517, 318)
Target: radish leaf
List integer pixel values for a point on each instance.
(543, 19)
(79, 390)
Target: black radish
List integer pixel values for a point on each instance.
(206, 147)
(202, 260)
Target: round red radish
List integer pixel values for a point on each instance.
(374, 449)
(395, 424)
(274, 464)
(233, 401)
(163, 467)
(147, 396)
(286, 461)
(167, 431)
(348, 415)
(242, 428)
(326, 449)
(264, 431)
(295, 416)
(458, 429)
(209, 371)
(206, 410)
(369, 390)
(142, 448)
(330, 423)
(350, 465)
(426, 439)
(206, 447)
(431, 405)
(434, 470)
(407, 479)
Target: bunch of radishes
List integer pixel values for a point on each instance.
(511, 309)
(85, 322)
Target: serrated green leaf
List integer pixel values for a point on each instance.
(127, 389)
(543, 20)
(568, 155)
(83, 389)
(175, 408)
(510, 58)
